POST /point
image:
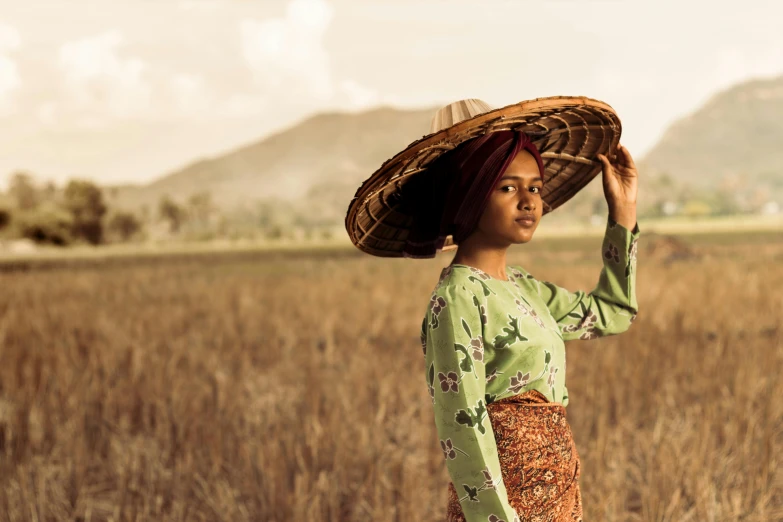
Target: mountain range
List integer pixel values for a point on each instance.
(319, 163)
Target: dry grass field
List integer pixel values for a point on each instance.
(291, 388)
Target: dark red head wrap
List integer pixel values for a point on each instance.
(450, 196)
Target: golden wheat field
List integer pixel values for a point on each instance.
(291, 388)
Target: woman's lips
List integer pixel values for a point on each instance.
(526, 222)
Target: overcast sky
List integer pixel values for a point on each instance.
(126, 90)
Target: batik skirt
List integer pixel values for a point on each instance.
(538, 460)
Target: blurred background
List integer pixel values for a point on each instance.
(187, 333)
(201, 120)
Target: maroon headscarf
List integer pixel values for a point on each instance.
(451, 195)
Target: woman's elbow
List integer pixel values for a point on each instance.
(622, 321)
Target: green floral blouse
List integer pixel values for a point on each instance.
(485, 339)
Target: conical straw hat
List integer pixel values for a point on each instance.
(568, 131)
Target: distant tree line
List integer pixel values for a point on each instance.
(80, 211)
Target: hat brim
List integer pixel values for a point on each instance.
(568, 131)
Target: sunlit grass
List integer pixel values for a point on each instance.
(223, 387)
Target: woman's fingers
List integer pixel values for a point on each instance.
(627, 159)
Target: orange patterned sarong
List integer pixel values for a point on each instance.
(538, 460)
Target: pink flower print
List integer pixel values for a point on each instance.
(587, 323)
(519, 382)
(612, 253)
(589, 333)
(448, 449)
(492, 375)
(517, 274)
(551, 380)
(536, 318)
(477, 345)
(483, 275)
(488, 482)
(588, 320)
(444, 274)
(522, 308)
(437, 304)
(529, 311)
(483, 314)
(448, 382)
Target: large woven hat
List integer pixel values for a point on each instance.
(567, 131)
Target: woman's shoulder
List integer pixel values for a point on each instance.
(453, 295)
(453, 285)
(450, 281)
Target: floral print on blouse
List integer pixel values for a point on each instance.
(485, 339)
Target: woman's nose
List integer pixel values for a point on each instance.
(527, 202)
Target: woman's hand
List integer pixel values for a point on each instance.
(620, 186)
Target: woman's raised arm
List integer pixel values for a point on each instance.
(611, 306)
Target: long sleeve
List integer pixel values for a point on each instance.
(611, 307)
(456, 378)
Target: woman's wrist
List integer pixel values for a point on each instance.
(624, 215)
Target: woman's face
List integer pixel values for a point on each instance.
(517, 194)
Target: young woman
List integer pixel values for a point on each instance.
(493, 335)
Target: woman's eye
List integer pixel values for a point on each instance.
(512, 186)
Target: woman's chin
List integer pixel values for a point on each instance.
(524, 237)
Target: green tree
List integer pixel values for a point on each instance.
(124, 225)
(23, 191)
(48, 223)
(724, 202)
(49, 191)
(170, 211)
(5, 218)
(200, 207)
(84, 200)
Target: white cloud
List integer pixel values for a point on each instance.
(241, 105)
(10, 80)
(287, 54)
(9, 38)
(190, 93)
(100, 83)
(47, 113)
(358, 95)
(203, 6)
(290, 62)
(103, 83)
(735, 65)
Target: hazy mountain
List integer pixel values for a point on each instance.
(737, 133)
(316, 165)
(339, 149)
